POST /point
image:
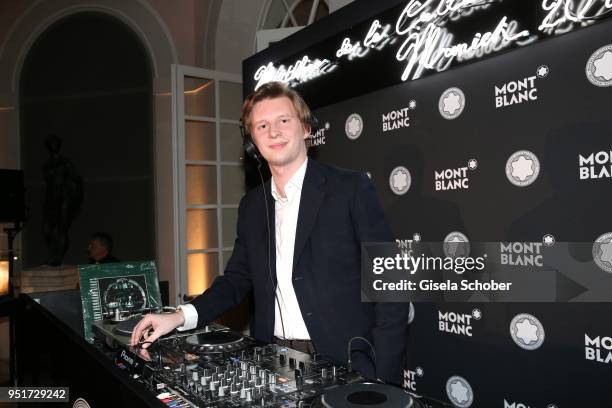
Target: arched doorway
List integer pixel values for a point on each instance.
(88, 79)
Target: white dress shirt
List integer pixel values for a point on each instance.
(288, 321)
(292, 325)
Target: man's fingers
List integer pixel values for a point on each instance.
(138, 329)
(152, 336)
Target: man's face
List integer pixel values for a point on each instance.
(96, 250)
(277, 132)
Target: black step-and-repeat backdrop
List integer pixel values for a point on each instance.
(517, 149)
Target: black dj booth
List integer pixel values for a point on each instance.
(230, 370)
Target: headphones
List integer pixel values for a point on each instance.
(249, 145)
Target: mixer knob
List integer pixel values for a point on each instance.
(324, 373)
(221, 391)
(195, 376)
(248, 395)
(214, 385)
(204, 381)
(333, 371)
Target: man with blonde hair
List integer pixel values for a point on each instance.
(298, 249)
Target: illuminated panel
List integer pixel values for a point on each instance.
(4, 278)
(201, 184)
(199, 97)
(201, 229)
(201, 271)
(200, 141)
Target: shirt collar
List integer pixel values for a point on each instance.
(293, 185)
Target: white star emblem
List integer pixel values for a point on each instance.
(542, 71)
(419, 371)
(548, 240)
(522, 168)
(477, 314)
(412, 104)
(416, 237)
(472, 164)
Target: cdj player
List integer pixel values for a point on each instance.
(220, 368)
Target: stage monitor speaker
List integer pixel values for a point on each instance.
(12, 204)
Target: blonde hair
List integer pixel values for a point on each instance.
(272, 90)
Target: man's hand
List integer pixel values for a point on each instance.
(152, 326)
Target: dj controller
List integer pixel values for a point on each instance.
(220, 368)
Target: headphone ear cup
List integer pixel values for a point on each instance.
(251, 149)
(249, 146)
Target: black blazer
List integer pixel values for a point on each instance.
(338, 210)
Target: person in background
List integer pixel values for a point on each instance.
(100, 248)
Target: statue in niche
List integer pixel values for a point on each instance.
(63, 197)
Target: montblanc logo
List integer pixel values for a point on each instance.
(527, 331)
(521, 253)
(458, 323)
(410, 378)
(454, 178)
(451, 103)
(549, 240)
(400, 180)
(598, 348)
(318, 138)
(405, 246)
(508, 404)
(456, 244)
(595, 165)
(459, 391)
(353, 126)
(522, 168)
(519, 91)
(599, 67)
(398, 118)
(602, 252)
